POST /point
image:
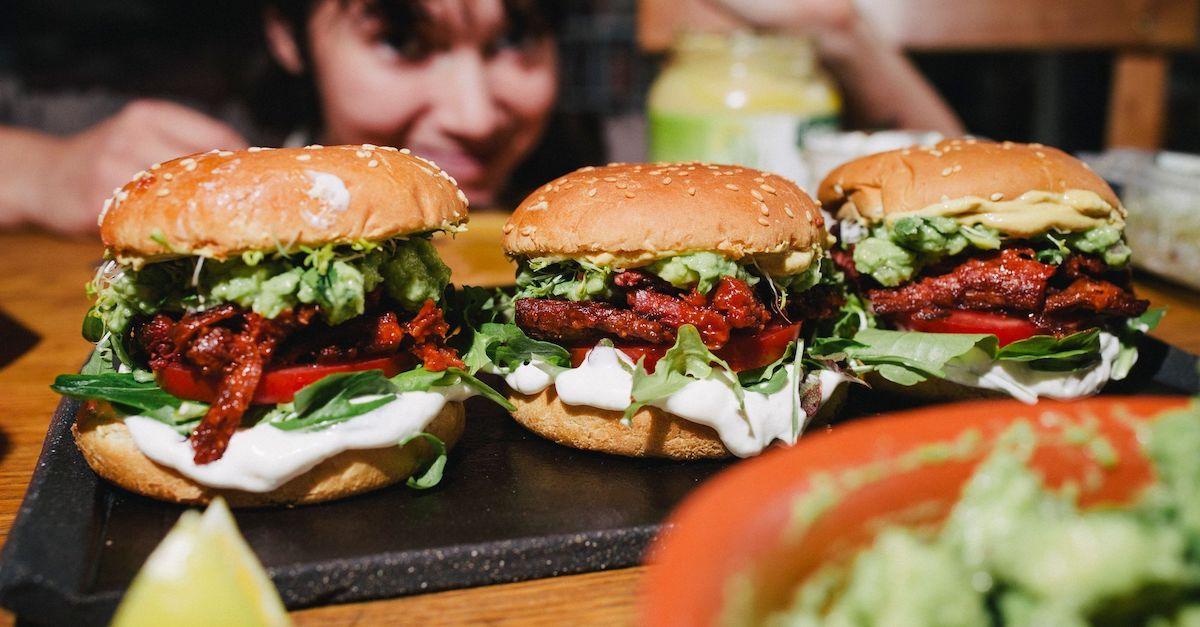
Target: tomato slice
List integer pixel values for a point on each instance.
(741, 352)
(276, 386)
(1007, 329)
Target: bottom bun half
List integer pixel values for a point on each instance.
(653, 432)
(109, 449)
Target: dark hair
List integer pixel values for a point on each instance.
(284, 102)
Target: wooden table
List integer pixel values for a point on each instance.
(41, 286)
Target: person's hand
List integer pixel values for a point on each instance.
(86, 167)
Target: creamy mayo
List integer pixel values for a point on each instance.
(605, 380)
(263, 458)
(1029, 214)
(976, 369)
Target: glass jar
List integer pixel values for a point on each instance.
(741, 98)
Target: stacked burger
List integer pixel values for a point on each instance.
(981, 267)
(662, 310)
(269, 327)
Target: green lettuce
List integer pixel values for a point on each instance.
(689, 359)
(568, 279)
(895, 254)
(336, 278)
(504, 346)
(910, 357)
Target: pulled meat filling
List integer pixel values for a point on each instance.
(1080, 293)
(236, 346)
(649, 310)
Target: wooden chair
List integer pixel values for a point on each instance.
(1141, 33)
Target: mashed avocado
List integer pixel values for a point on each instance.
(896, 251)
(335, 278)
(1014, 552)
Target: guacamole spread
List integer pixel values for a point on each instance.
(1014, 552)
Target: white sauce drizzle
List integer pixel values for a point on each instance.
(263, 457)
(605, 380)
(976, 369)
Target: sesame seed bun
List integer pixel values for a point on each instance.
(109, 449)
(913, 178)
(223, 203)
(652, 432)
(664, 208)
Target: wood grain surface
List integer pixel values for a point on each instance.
(41, 286)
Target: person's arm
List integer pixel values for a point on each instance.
(881, 86)
(60, 183)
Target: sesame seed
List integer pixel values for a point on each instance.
(362, 154)
(996, 196)
(691, 191)
(303, 157)
(163, 191)
(405, 151)
(757, 195)
(591, 192)
(462, 197)
(587, 168)
(121, 195)
(629, 194)
(224, 153)
(655, 172)
(788, 210)
(389, 148)
(1037, 145)
(666, 181)
(313, 147)
(254, 149)
(958, 168)
(947, 171)
(731, 187)
(528, 230)
(508, 227)
(936, 153)
(767, 188)
(156, 166)
(906, 152)
(1040, 154)
(838, 189)
(541, 205)
(372, 163)
(1007, 145)
(807, 215)
(763, 221)
(369, 146)
(610, 179)
(168, 176)
(188, 164)
(972, 141)
(764, 209)
(759, 179)
(622, 185)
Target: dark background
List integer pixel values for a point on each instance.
(208, 54)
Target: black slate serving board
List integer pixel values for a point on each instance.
(511, 507)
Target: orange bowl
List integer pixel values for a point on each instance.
(761, 526)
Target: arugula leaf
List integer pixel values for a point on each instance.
(101, 360)
(336, 398)
(573, 279)
(431, 475)
(770, 378)
(420, 379)
(689, 359)
(904, 357)
(1046, 352)
(506, 347)
(130, 396)
(1134, 328)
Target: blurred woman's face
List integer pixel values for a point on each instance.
(462, 88)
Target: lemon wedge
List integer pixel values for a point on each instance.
(203, 573)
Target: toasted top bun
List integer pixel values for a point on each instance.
(223, 203)
(911, 179)
(657, 209)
